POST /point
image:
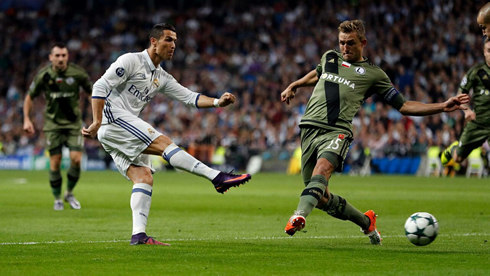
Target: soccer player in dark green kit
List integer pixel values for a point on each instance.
(477, 129)
(343, 80)
(60, 83)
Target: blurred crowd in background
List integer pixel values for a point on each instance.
(252, 49)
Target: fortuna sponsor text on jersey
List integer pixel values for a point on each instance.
(340, 80)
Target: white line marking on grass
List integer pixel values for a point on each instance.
(242, 238)
(59, 242)
(19, 181)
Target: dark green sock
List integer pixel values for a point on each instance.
(55, 181)
(73, 175)
(311, 195)
(339, 208)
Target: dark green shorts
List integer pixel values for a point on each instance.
(317, 143)
(71, 138)
(472, 137)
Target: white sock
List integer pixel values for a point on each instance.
(180, 159)
(140, 205)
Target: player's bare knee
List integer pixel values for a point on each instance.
(147, 179)
(158, 145)
(76, 162)
(166, 141)
(55, 163)
(324, 168)
(138, 174)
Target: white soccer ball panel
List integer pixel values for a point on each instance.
(423, 214)
(430, 231)
(410, 226)
(422, 223)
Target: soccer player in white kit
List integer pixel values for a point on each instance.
(118, 98)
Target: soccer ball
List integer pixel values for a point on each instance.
(421, 228)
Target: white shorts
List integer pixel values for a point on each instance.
(125, 139)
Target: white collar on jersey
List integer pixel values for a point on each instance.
(148, 60)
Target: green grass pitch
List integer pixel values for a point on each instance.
(242, 231)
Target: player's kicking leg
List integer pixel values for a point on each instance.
(222, 181)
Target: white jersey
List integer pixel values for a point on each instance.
(132, 81)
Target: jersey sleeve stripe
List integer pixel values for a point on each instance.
(197, 99)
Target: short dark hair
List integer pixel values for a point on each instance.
(59, 45)
(157, 30)
(356, 26)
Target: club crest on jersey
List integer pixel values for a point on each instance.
(341, 136)
(360, 70)
(120, 72)
(70, 80)
(156, 83)
(151, 131)
(345, 64)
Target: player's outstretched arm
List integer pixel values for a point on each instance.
(421, 109)
(97, 107)
(309, 79)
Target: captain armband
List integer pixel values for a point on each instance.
(394, 98)
(216, 102)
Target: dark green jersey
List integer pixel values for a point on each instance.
(478, 79)
(341, 89)
(62, 93)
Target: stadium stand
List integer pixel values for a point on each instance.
(253, 49)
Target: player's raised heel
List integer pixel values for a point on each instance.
(295, 223)
(142, 238)
(372, 232)
(224, 181)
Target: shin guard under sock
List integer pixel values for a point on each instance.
(311, 195)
